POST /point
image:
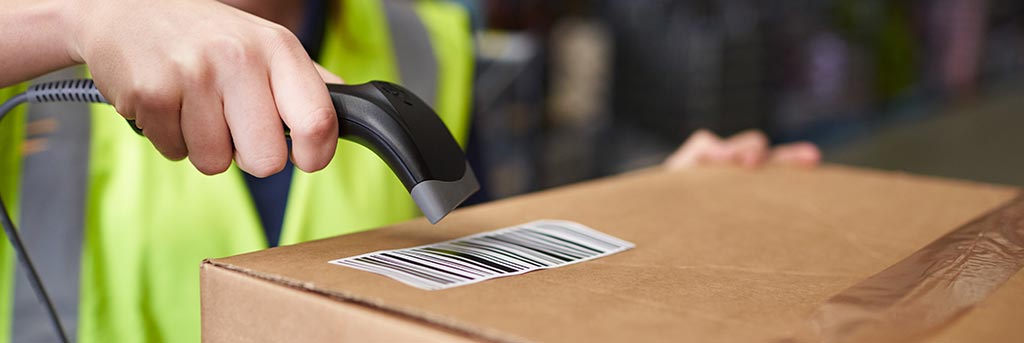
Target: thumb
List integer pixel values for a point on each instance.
(327, 75)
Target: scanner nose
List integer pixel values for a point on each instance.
(409, 136)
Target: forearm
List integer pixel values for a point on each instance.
(34, 36)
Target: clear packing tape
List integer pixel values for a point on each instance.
(927, 291)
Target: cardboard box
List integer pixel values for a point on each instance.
(721, 255)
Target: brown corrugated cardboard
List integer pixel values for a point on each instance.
(721, 255)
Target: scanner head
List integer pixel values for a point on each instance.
(406, 133)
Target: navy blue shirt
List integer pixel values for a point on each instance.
(270, 194)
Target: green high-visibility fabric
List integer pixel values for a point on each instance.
(149, 221)
(12, 133)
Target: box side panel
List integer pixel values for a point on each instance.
(240, 308)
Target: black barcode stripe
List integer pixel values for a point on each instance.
(480, 254)
(442, 263)
(413, 270)
(581, 245)
(526, 255)
(465, 260)
(562, 244)
(448, 260)
(401, 276)
(529, 253)
(555, 246)
(549, 249)
(512, 240)
(472, 259)
(454, 259)
(593, 240)
(550, 254)
(500, 251)
(401, 269)
(509, 251)
(386, 262)
(428, 266)
(578, 236)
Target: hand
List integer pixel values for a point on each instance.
(208, 81)
(747, 149)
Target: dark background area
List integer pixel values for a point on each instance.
(572, 90)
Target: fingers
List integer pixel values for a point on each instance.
(156, 109)
(203, 125)
(799, 154)
(213, 83)
(747, 149)
(701, 147)
(254, 123)
(305, 106)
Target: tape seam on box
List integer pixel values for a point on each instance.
(928, 290)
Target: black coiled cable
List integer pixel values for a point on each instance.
(78, 90)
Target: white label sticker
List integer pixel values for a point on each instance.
(510, 251)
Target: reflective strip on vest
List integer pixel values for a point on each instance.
(53, 205)
(417, 65)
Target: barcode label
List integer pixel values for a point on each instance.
(510, 251)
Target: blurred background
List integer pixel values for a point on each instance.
(576, 89)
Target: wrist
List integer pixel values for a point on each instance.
(71, 19)
(34, 39)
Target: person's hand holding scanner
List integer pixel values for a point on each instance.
(201, 79)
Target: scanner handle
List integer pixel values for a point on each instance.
(400, 128)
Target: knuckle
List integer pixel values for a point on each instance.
(176, 154)
(760, 137)
(210, 165)
(125, 109)
(264, 166)
(703, 136)
(280, 34)
(283, 40)
(232, 50)
(152, 99)
(315, 166)
(197, 74)
(753, 136)
(173, 152)
(319, 123)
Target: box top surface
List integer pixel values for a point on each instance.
(721, 255)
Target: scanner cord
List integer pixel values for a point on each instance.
(9, 105)
(77, 90)
(81, 90)
(33, 276)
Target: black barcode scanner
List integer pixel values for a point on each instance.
(386, 118)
